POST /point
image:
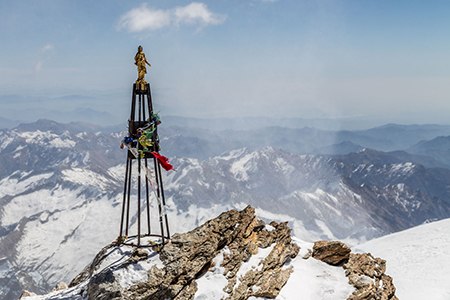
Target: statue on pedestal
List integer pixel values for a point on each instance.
(142, 143)
(140, 62)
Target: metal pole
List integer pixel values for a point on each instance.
(133, 103)
(163, 201)
(158, 180)
(139, 179)
(148, 200)
(159, 196)
(139, 201)
(124, 198)
(128, 196)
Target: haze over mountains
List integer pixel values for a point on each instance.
(59, 181)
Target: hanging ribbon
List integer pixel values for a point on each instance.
(163, 161)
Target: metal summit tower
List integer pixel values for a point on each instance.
(142, 146)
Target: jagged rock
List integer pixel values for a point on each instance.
(366, 274)
(60, 286)
(27, 294)
(249, 254)
(188, 256)
(333, 253)
(104, 286)
(137, 255)
(308, 254)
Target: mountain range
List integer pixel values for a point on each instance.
(61, 188)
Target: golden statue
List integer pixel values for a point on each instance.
(140, 62)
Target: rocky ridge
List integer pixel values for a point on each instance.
(224, 246)
(189, 256)
(365, 272)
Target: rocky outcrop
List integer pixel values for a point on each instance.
(364, 272)
(60, 286)
(235, 254)
(333, 253)
(367, 275)
(188, 256)
(27, 294)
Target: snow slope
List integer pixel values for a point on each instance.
(417, 259)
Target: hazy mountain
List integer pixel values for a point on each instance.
(7, 123)
(61, 192)
(344, 147)
(437, 148)
(86, 115)
(206, 142)
(404, 136)
(425, 160)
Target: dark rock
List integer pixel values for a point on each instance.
(333, 253)
(104, 286)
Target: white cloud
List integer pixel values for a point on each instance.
(38, 66)
(197, 13)
(144, 18)
(42, 57)
(47, 47)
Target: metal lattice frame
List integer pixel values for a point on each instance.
(137, 120)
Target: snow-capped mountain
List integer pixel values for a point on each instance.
(61, 185)
(51, 184)
(354, 196)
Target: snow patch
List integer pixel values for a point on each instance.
(240, 167)
(85, 177)
(213, 282)
(255, 261)
(13, 186)
(314, 279)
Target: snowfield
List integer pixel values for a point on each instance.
(417, 259)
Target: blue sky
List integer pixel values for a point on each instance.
(385, 61)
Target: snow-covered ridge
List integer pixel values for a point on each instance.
(417, 260)
(242, 266)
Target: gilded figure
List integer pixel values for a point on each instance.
(140, 62)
